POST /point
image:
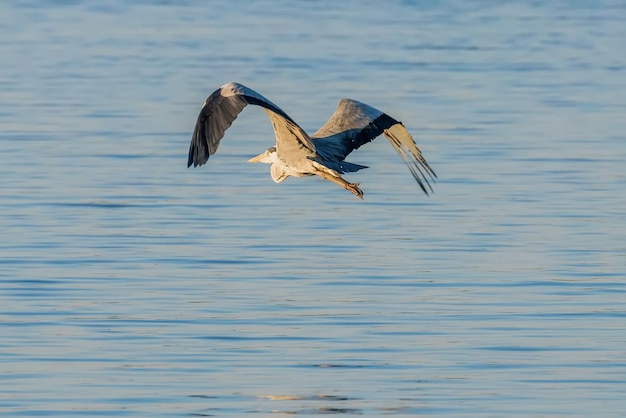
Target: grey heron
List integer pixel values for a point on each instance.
(298, 154)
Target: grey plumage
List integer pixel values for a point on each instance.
(298, 154)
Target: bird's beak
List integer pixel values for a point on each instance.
(257, 159)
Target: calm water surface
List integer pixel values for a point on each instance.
(133, 286)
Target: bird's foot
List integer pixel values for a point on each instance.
(354, 188)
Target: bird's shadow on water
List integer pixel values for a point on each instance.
(291, 405)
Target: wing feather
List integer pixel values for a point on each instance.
(223, 106)
(354, 124)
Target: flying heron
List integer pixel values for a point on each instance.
(298, 154)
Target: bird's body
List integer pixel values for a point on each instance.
(296, 153)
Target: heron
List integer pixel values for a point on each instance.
(298, 154)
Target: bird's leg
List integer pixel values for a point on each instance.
(355, 189)
(352, 187)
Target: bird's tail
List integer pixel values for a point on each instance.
(347, 167)
(340, 167)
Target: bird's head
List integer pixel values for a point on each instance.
(265, 157)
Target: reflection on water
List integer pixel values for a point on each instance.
(132, 286)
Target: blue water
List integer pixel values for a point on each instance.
(133, 286)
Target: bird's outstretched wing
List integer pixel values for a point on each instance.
(354, 124)
(220, 110)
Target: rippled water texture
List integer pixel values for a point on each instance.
(133, 286)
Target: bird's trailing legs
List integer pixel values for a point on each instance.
(351, 187)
